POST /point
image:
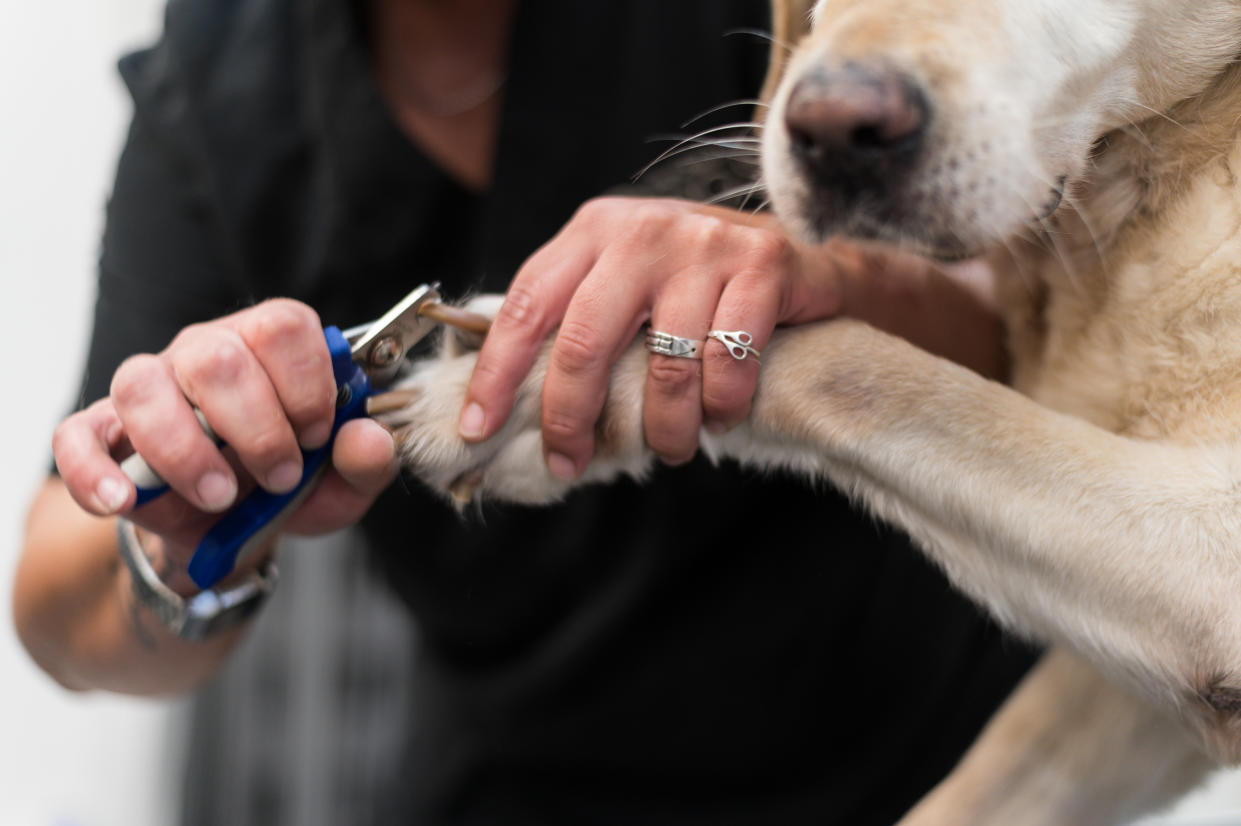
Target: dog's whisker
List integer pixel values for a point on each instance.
(744, 126)
(1137, 133)
(1098, 243)
(729, 194)
(721, 108)
(758, 210)
(744, 156)
(1015, 258)
(1156, 113)
(697, 139)
(684, 147)
(759, 186)
(762, 35)
(1049, 235)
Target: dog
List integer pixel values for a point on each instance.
(1090, 152)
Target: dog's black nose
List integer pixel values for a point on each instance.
(853, 125)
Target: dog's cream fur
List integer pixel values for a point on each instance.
(1094, 504)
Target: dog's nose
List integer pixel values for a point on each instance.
(854, 120)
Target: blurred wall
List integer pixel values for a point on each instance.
(65, 760)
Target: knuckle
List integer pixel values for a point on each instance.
(578, 349)
(596, 210)
(650, 222)
(132, 380)
(519, 310)
(707, 232)
(267, 446)
(560, 429)
(766, 251)
(64, 438)
(186, 336)
(673, 377)
(180, 450)
(280, 321)
(488, 371)
(218, 359)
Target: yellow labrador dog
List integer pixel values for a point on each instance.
(1091, 149)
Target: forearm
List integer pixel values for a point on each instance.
(76, 615)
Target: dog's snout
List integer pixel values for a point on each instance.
(845, 120)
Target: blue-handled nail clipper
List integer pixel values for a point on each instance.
(365, 359)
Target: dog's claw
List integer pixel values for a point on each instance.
(462, 488)
(391, 401)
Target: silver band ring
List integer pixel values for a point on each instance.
(666, 344)
(739, 343)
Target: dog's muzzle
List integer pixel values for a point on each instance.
(857, 129)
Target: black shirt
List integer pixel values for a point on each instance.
(711, 647)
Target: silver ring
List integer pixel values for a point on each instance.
(666, 344)
(739, 343)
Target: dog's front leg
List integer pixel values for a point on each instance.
(1068, 748)
(1124, 550)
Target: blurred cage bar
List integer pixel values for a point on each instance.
(305, 725)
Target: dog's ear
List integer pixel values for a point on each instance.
(790, 22)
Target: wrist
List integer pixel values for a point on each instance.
(171, 562)
(174, 599)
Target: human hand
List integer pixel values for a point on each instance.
(263, 379)
(685, 267)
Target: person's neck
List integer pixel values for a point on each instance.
(445, 44)
(441, 66)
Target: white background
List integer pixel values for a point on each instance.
(93, 760)
(64, 760)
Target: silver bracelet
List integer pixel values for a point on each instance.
(202, 615)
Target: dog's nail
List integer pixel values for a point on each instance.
(562, 467)
(391, 401)
(472, 421)
(462, 488)
(456, 317)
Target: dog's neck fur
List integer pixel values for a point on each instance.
(1124, 243)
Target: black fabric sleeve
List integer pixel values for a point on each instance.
(164, 263)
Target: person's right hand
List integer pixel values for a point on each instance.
(263, 379)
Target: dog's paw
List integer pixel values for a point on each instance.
(423, 408)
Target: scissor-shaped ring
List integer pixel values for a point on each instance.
(739, 343)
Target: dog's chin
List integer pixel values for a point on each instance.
(815, 223)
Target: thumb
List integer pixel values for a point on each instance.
(817, 282)
(363, 465)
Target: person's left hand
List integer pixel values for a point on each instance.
(685, 267)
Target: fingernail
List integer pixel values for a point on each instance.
(316, 435)
(562, 467)
(110, 495)
(284, 477)
(216, 491)
(472, 421)
(716, 428)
